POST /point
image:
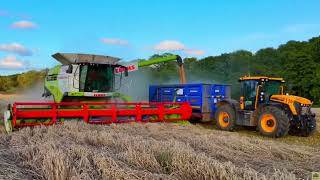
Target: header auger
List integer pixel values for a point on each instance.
(83, 88)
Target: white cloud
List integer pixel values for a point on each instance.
(11, 62)
(169, 45)
(23, 25)
(194, 52)
(112, 41)
(16, 48)
(172, 45)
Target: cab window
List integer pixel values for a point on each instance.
(249, 92)
(95, 78)
(272, 87)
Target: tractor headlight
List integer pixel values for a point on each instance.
(305, 110)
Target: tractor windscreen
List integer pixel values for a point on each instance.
(94, 78)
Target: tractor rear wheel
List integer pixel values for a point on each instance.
(273, 122)
(225, 117)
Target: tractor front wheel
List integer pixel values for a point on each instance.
(273, 122)
(305, 130)
(225, 117)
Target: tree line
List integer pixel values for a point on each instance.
(20, 82)
(296, 61)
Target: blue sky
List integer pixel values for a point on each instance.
(31, 30)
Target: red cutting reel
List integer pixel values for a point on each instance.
(49, 113)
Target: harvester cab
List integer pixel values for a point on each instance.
(81, 76)
(88, 77)
(263, 104)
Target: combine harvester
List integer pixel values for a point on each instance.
(83, 88)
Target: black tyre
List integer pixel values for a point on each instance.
(311, 127)
(306, 130)
(225, 118)
(273, 122)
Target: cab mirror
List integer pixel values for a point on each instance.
(70, 68)
(126, 73)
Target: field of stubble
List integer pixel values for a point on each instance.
(154, 151)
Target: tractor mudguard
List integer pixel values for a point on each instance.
(279, 105)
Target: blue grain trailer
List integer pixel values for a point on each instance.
(202, 97)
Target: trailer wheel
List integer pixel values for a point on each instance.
(273, 122)
(225, 117)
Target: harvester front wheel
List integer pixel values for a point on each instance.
(225, 117)
(273, 122)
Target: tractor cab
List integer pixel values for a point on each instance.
(259, 89)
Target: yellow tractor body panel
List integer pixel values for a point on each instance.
(290, 100)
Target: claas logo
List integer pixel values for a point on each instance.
(131, 67)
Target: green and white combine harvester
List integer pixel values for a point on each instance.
(84, 77)
(83, 87)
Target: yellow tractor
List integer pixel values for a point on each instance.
(264, 105)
